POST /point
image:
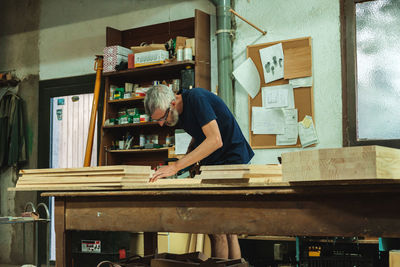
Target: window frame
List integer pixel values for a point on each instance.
(349, 77)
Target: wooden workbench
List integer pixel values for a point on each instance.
(351, 208)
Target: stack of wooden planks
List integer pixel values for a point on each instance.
(240, 173)
(83, 178)
(348, 163)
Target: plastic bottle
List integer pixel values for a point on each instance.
(187, 53)
(179, 53)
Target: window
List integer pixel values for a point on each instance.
(371, 76)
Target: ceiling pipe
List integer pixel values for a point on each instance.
(224, 43)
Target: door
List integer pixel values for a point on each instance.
(69, 127)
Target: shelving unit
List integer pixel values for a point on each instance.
(197, 27)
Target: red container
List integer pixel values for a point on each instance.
(131, 61)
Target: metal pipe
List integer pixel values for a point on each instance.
(224, 30)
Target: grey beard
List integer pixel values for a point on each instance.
(175, 118)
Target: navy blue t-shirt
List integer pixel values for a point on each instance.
(199, 108)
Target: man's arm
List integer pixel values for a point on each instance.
(212, 142)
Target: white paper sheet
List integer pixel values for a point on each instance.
(291, 129)
(301, 82)
(182, 141)
(275, 96)
(290, 98)
(280, 96)
(248, 77)
(267, 121)
(272, 61)
(307, 133)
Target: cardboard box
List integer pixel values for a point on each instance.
(348, 163)
(146, 48)
(114, 55)
(191, 43)
(151, 58)
(394, 258)
(116, 50)
(180, 41)
(111, 61)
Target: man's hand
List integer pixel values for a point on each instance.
(164, 172)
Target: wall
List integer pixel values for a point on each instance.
(294, 19)
(20, 52)
(71, 36)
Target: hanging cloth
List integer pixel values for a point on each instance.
(12, 129)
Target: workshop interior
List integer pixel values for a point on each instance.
(180, 133)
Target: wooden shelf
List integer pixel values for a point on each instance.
(153, 70)
(197, 27)
(132, 99)
(151, 123)
(139, 150)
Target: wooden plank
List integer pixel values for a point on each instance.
(69, 181)
(354, 163)
(249, 167)
(77, 177)
(314, 215)
(202, 50)
(118, 168)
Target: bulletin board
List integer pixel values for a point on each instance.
(297, 64)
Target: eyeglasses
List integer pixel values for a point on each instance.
(165, 116)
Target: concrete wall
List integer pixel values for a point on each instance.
(294, 19)
(70, 36)
(19, 51)
(56, 39)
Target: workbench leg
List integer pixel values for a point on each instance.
(63, 244)
(150, 243)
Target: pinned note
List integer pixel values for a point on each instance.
(272, 62)
(248, 77)
(291, 129)
(307, 132)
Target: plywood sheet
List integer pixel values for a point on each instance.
(297, 62)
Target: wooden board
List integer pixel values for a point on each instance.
(298, 59)
(90, 170)
(246, 167)
(349, 163)
(105, 176)
(239, 171)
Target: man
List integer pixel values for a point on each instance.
(215, 133)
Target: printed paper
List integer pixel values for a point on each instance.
(248, 77)
(267, 121)
(272, 61)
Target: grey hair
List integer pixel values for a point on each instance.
(158, 97)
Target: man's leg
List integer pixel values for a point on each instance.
(219, 246)
(234, 248)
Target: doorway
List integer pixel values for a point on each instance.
(64, 115)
